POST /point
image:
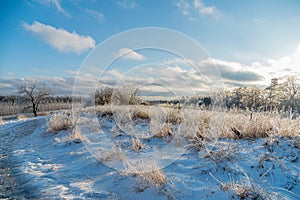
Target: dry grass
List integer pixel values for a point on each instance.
(246, 189)
(60, 121)
(21, 117)
(141, 112)
(160, 125)
(76, 135)
(110, 155)
(203, 124)
(137, 145)
(240, 125)
(43, 113)
(221, 152)
(148, 173)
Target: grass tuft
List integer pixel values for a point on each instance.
(148, 173)
(137, 145)
(222, 152)
(60, 121)
(21, 117)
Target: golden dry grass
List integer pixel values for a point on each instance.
(197, 123)
(21, 117)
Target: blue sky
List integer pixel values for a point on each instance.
(51, 38)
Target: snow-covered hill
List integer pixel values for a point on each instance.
(37, 164)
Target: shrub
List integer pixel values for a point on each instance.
(60, 121)
(148, 173)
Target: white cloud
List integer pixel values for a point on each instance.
(281, 67)
(178, 77)
(204, 10)
(194, 9)
(292, 61)
(56, 4)
(58, 7)
(97, 15)
(184, 7)
(129, 54)
(126, 4)
(61, 39)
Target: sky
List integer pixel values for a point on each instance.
(249, 42)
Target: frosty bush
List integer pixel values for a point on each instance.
(60, 121)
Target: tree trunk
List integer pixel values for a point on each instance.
(34, 109)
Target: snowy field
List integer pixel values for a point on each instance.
(38, 164)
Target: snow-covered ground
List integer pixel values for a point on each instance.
(37, 164)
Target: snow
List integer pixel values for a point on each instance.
(45, 165)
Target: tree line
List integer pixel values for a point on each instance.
(282, 97)
(276, 96)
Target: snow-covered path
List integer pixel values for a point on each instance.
(10, 177)
(35, 165)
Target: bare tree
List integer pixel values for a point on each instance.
(34, 93)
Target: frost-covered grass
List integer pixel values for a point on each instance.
(208, 124)
(60, 121)
(147, 172)
(226, 155)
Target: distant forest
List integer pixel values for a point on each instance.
(281, 97)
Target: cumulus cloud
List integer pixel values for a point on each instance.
(213, 68)
(194, 9)
(292, 61)
(61, 39)
(175, 77)
(129, 54)
(233, 71)
(280, 67)
(256, 73)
